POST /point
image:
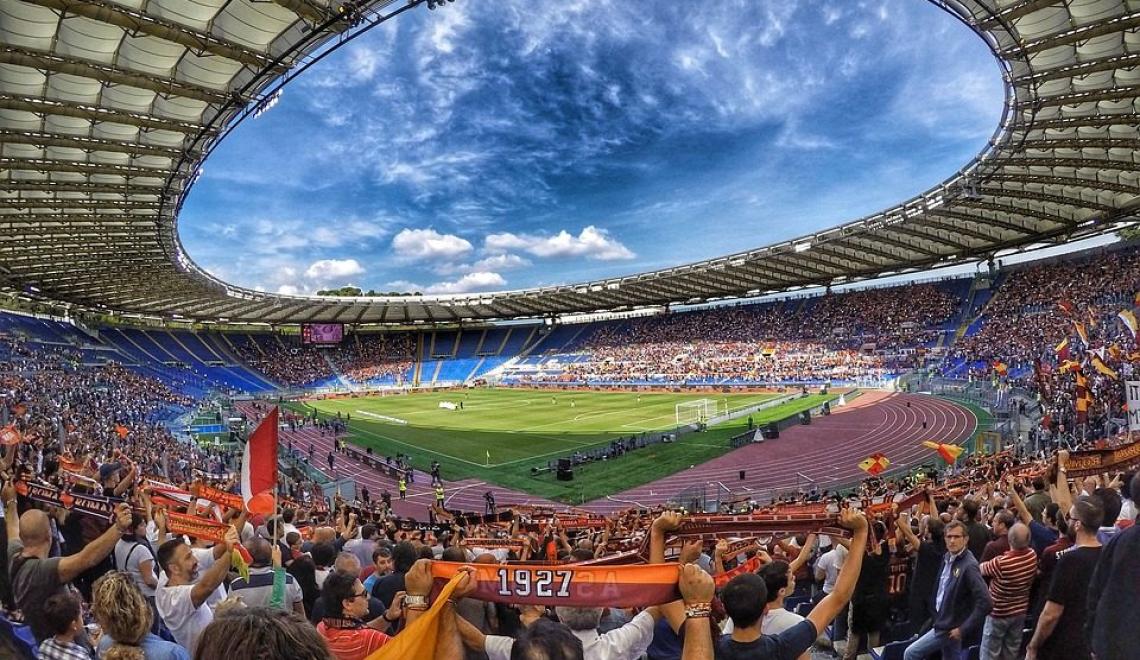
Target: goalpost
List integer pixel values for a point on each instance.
(700, 411)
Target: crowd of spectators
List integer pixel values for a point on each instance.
(1025, 319)
(360, 359)
(861, 336)
(1039, 307)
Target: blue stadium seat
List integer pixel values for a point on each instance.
(19, 638)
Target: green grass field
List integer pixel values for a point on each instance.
(526, 428)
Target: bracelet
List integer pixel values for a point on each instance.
(417, 603)
(698, 610)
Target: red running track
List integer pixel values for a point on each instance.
(826, 452)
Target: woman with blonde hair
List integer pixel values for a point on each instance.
(125, 618)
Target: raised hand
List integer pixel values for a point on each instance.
(853, 519)
(417, 580)
(667, 521)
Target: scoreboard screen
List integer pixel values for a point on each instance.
(322, 333)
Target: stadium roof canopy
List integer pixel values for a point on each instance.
(109, 107)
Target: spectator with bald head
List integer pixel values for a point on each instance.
(257, 590)
(1011, 578)
(34, 575)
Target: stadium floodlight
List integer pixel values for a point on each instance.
(803, 247)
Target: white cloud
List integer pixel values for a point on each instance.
(501, 262)
(591, 242)
(469, 282)
(362, 63)
(288, 290)
(331, 269)
(417, 244)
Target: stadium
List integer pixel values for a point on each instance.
(903, 362)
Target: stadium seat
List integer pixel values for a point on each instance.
(18, 639)
(792, 603)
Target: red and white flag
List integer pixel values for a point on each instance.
(259, 466)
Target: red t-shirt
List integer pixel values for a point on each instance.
(352, 643)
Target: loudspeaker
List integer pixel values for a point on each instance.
(827, 407)
(565, 475)
(564, 464)
(805, 418)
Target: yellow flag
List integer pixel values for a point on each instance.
(419, 640)
(1103, 368)
(237, 562)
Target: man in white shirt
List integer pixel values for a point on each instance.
(181, 602)
(827, 568)
(827, 571)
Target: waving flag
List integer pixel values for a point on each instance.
(259, 466)
(1103, 368)
(1129, 320)
(1084, 398)
(1066, 306)
(875, 464)
(1001, 367)
(1081, 332)
(1062, 350)
(948, 452)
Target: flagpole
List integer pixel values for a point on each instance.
(276, 504)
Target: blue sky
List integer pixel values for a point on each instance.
(502, 144)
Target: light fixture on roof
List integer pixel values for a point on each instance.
(802, 247)
(266, 104)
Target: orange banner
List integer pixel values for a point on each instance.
(750, 566)
(572, 585)
(217, 496)
(180, 523)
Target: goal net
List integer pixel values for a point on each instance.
(700, 410)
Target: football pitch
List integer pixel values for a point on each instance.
(499, 435)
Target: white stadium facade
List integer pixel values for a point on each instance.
(109, 109)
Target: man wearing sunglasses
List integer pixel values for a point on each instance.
(961, 601)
